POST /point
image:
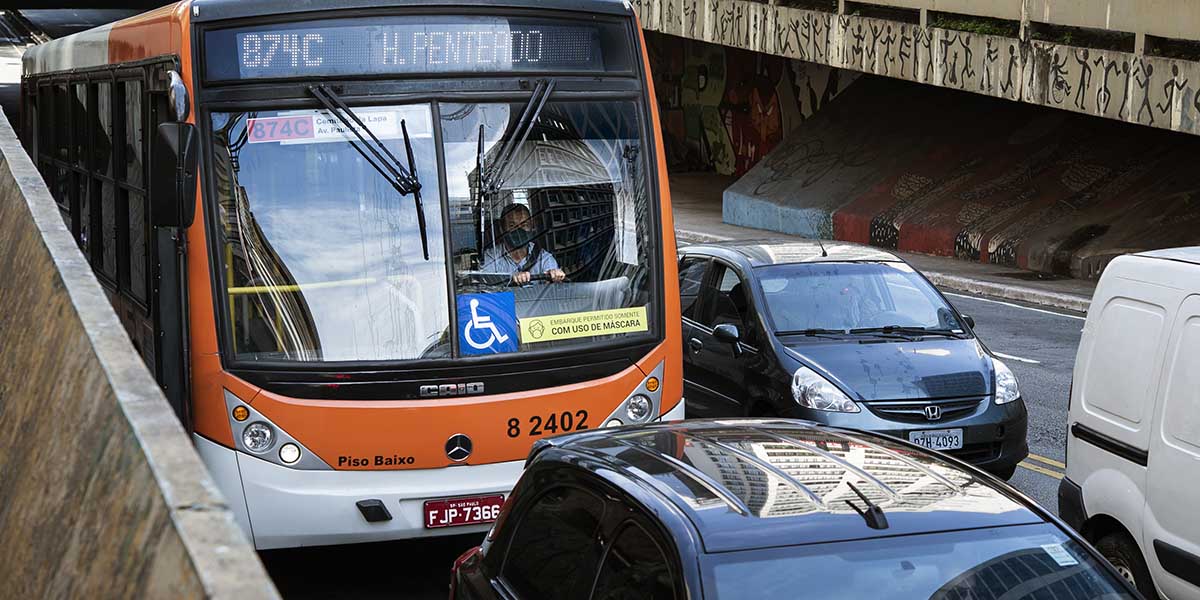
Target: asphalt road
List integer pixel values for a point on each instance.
(1044, 341)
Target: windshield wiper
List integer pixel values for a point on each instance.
(812, 332)
(873, 515)
(903, 329)
(493, 179)
(376, 154)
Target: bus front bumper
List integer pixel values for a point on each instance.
(278, 507)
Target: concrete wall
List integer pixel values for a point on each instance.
(101, 492)
(1156, 92)
(723, 109)
(954, 174)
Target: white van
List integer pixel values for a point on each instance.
(1133, 442)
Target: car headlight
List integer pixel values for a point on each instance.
(1006, 383)
(813, 391)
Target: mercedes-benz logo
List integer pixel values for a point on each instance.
(458, 447)
(933, 412)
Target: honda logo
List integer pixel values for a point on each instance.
(933, 412)
(458, 447)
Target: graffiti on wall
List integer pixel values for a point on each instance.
(723, 109)
(1153, 91)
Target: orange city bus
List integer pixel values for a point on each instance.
(372, 249)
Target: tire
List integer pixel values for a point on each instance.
(1120, 550)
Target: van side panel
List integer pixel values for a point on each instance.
(1115, 386)
(1173, 488)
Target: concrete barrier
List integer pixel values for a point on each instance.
(919, 169)
(101, 492)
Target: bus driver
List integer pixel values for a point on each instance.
(517, 254)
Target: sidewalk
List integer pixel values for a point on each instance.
(696, 202)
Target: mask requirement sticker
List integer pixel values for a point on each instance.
(583, 324)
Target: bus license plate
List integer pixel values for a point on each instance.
(453, 512)
(938, 439)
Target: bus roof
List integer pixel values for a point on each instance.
(215, 10)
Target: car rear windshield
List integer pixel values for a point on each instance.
(1026, 561)
(852, 295)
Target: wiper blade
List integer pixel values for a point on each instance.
(811, 332)
(493, 180)
(376, 153)
(873, 515)
(901, 329)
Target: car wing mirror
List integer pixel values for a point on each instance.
(969, 320)
(729, 334)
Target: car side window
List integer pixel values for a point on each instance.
(691, 279)
(635, 568)
(728, 301)
(554, 553)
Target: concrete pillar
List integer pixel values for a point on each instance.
(1024, 33)
(1139, 43)
(841, 7)
(924, 18)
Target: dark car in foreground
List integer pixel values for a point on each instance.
(845, 335)
(766, 509)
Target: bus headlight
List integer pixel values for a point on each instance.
(638, 408)
(289, 453)
(258, 437)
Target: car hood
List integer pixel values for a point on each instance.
(900, 370)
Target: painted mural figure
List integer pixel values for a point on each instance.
(856, 49)
(818, 43)
(689, 15)
(1085, 78)
(1060, 88)
(888, 40)
(1012, 62)
(989, 60)
(1103, 95)
(905, 43)
(1169, 89)
(924, 37)
(949, 69)
(1148, 70)
(967, 70)
(726, 24)
(872, 50)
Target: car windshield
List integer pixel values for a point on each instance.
(323, 257)
(1018, 562)
(852, 295)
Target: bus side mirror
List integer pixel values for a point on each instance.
(173, 175)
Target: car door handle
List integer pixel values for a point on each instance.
(695, 345)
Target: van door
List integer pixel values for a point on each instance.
(1171, 525)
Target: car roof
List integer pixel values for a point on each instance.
(211, 10)
(764, 252)
(748, 483)
(1190, 254)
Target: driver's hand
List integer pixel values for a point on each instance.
(520, 277)
(556, 275)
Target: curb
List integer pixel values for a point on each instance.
(1072, 302)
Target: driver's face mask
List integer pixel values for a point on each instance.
(518, 238)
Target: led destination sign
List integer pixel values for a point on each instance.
(407, 45)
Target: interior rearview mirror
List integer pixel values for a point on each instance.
(173, 175)
(729, 334)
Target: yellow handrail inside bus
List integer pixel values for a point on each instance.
(297, 287)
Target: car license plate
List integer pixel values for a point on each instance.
(938, 439)
(452, 512)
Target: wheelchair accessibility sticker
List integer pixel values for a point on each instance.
(487, 323)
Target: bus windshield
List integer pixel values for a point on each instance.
(323, 261)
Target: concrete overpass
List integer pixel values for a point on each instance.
(1130, 60)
